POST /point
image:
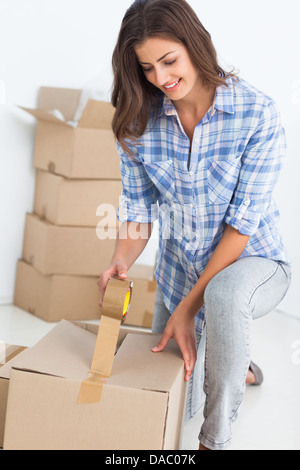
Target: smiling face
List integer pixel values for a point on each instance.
(168, 66)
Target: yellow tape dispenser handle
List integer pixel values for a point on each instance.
(116, 304)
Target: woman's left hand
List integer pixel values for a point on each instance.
(181, 327)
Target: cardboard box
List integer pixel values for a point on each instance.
(57, 297)
(53, 249)
(8, 354)
(8, 357)
(75, 202)
(86, 151)
(141, 405)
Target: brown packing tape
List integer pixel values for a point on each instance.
(115, 306)
(152, 286)
(105, 346)
(91, 390)
(107, 337)
(148, 319)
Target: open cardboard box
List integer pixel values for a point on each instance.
(72, 202)
(85, 151)
(8, 354)
(141, 407)
(56, 297)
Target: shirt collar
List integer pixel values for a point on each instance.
(224, 101)
(167, 107)
(224, 98)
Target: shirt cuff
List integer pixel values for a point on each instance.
(244, 219)
(129, 212)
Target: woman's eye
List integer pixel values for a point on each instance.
(171, 63)
(146, 70)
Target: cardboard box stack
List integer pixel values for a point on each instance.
(77, 172)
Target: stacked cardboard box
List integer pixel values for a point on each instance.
(70, 236)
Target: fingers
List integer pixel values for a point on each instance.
(189, 354)
(187, 347)
(102, 283)
(163, 342)
(122, 273)
(190, 361)
(118, 270)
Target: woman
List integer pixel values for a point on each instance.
(206, 148)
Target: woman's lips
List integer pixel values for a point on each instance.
(173, 86)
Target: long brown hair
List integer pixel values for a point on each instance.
(133, 95)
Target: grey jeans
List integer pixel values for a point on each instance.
(246, 290)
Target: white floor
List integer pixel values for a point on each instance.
(269, 418)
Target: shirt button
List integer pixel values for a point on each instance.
(191, 206)
(197, 139)
(191, 173)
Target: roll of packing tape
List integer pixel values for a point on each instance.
(116, 304)
(117, 299)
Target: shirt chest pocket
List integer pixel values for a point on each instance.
(222, 177)
(162, 175)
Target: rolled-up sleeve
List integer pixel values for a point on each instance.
(261, 163)
(139, 195)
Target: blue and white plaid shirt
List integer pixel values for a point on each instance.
(236, 157)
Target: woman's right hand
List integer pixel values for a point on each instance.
(115, 269)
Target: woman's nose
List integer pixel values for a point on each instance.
(160, 77)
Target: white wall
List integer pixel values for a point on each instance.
(68, 43)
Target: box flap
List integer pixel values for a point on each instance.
(97, 115)
(45, 115)
(135, 365)
(11, 360)
(65, 99)
(8, 352)
(66, 351)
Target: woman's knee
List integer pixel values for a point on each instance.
(226, 291)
